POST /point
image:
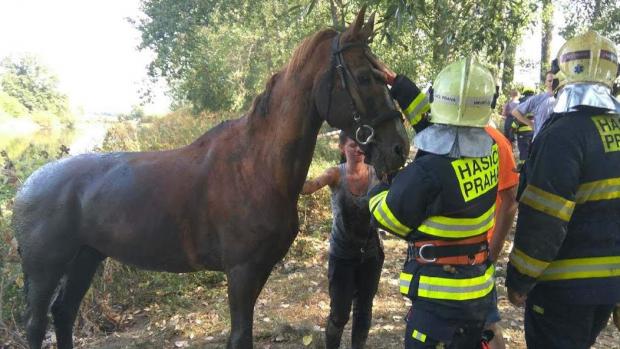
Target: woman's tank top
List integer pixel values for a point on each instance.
(352, 236)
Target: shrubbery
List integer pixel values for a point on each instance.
(11, 106)
(28, 89)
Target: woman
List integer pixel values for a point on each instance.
(355, 253)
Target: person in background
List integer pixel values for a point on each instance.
(524, 131)
(355, 252)
(507, 114)
(565, 264)
(443, 204)
(540, 106)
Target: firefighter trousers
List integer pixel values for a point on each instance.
(426, 330)
(523, 143)
(550, 323)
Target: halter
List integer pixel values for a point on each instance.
(364, 132)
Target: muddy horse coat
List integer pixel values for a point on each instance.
(228, 201)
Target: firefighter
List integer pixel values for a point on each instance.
(523, 131)
(443, 204)
(565, 264)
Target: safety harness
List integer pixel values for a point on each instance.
(471, 251)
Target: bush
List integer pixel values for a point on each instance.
(11, 105)
(46, 119)
(122, 136)
(177, 129)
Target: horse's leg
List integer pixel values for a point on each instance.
(40, 288)
(245, 283)
(78, 278)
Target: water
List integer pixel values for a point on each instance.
(27, 148)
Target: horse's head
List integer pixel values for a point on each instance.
(354, 99)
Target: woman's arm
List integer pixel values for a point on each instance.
(504, 216)
(330, 177)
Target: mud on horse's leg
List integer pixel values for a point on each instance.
(245, 283)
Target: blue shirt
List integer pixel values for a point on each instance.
(541, 106)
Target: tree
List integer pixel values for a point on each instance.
(32, 84)
(600, 15)
(547, 35)
(217, 54)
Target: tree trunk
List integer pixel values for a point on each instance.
(334, 12)
(508, 73)
(547, 34)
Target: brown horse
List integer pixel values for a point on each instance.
(226, 202)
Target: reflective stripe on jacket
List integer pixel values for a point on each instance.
(413, 102)
(568, 229)
(437, 197)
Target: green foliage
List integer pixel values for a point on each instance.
(216, 55)
(450, 29)
(121, 136)
(600, 15)
(32, 84)
(177, 129)
(11, 106)
(136, 114)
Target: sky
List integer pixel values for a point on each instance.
(91, 47)
(529, 49)
(88, 44)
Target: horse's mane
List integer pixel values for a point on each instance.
(297, 62)
(306, 48)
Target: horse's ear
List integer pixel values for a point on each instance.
(359, 21)
(368, 28)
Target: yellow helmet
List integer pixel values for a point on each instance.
(528, 90)
(463, 93)
(589, 58)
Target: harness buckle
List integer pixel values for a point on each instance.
(360, 132)
(421, 253)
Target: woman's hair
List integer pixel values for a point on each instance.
(342, 140)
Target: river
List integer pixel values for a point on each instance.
(23, 143)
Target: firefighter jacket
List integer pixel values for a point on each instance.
(568, 231)
(439, 198)
(521, 128)
(413, 102)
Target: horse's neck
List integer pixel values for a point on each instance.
(287, 136)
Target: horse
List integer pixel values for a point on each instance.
(226, 202)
